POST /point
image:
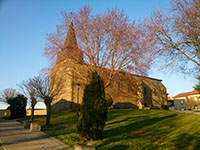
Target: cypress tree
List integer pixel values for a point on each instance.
(93, 113)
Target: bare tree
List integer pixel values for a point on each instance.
(30, 92)
(46, 88)
(7, 94)
(176, 36)
(109, 40)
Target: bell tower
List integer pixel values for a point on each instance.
(70, 49)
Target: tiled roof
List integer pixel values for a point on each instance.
(186, 94)
(141, 76)
(170, 98)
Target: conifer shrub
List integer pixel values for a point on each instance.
(93, 113)
(109, 100)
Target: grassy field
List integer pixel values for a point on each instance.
(134, 129)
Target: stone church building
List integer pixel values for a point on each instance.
(127, 90)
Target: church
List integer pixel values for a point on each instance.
(127, 90)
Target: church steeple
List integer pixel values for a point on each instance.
(71, 37)
(70, 49)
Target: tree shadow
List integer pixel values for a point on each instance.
(187, 141)
(63, 127)
(134, 126)
(119, 147)
(114, 133)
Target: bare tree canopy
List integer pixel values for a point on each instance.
(46, 88)
(108, 40)
(29, 90)
(176, 36)
(7, 94)
(41, 86)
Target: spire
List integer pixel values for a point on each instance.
(70, 49)
(71, 37)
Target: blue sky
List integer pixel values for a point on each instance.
(24, 24)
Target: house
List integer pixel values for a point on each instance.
(170, 103)
(127, 90)
(188, 100)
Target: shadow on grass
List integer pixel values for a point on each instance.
(116, 134)
(63, 121)
(119, 147)
(115, 113)
(62, 127)
(134, 126)
(187, 141)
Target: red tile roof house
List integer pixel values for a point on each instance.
(187, 101)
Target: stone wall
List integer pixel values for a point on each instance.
(126, 88)
(37, 112)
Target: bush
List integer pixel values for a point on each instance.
(109, 100)
(93, 113)
(17, 106)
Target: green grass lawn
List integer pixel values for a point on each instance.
(134, 130)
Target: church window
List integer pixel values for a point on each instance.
(145, 91)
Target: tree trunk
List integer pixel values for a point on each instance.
(33, 103)
(48, 116)
(32, 113)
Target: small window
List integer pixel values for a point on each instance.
(154, 91)
(182, 101)
(145, 91)
(195, 98)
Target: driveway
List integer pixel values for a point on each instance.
(14, 137)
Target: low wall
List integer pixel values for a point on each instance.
(37, 112)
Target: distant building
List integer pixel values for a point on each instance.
(127, 90)
(170, 103)
(188, 100)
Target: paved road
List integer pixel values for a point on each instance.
(15, 137)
